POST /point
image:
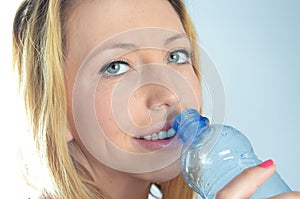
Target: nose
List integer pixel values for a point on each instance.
(159, 97)
(158, 88)
(157, 81)
(156, 103)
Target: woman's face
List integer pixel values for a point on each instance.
(128, 74)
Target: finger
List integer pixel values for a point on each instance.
(290, 195)
(246, 183)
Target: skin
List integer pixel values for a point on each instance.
(85, 29)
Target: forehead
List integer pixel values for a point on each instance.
(92, 22)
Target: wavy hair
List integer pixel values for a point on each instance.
(38, 53)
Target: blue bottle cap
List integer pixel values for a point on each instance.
(184, 119)
(181, 117)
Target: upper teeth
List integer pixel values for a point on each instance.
(159, 136)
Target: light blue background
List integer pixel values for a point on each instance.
(256, 48)
(255, 45)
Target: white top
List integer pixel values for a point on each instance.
(155, 193)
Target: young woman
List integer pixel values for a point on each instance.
(102, 82)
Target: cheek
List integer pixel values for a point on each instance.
(108, 109)
(194, 86)
(103, 109)
(197, 90)
(70, 74)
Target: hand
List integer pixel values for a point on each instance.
(246, 183)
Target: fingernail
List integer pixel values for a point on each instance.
(266, 164)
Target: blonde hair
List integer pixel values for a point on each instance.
(38, 47)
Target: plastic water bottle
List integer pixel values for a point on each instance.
(212, 155)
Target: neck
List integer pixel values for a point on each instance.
(117, 184)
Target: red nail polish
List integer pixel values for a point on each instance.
(266, 164)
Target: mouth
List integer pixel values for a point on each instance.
(161, 135)
(160, 131)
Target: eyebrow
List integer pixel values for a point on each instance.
(175, 37)
(132, 46)
(128, 46)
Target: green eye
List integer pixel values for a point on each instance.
(115, 68)
(179, 57)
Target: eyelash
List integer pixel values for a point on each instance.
(104, 69)
(187, 53)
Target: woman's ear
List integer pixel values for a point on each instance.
(69, 136)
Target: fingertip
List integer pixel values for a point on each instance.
(267, 167)
(266, 164)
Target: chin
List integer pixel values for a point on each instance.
(162, 175)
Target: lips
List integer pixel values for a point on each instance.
(161, 130)
(159, 136)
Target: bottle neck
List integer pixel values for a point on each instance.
(188, 123)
